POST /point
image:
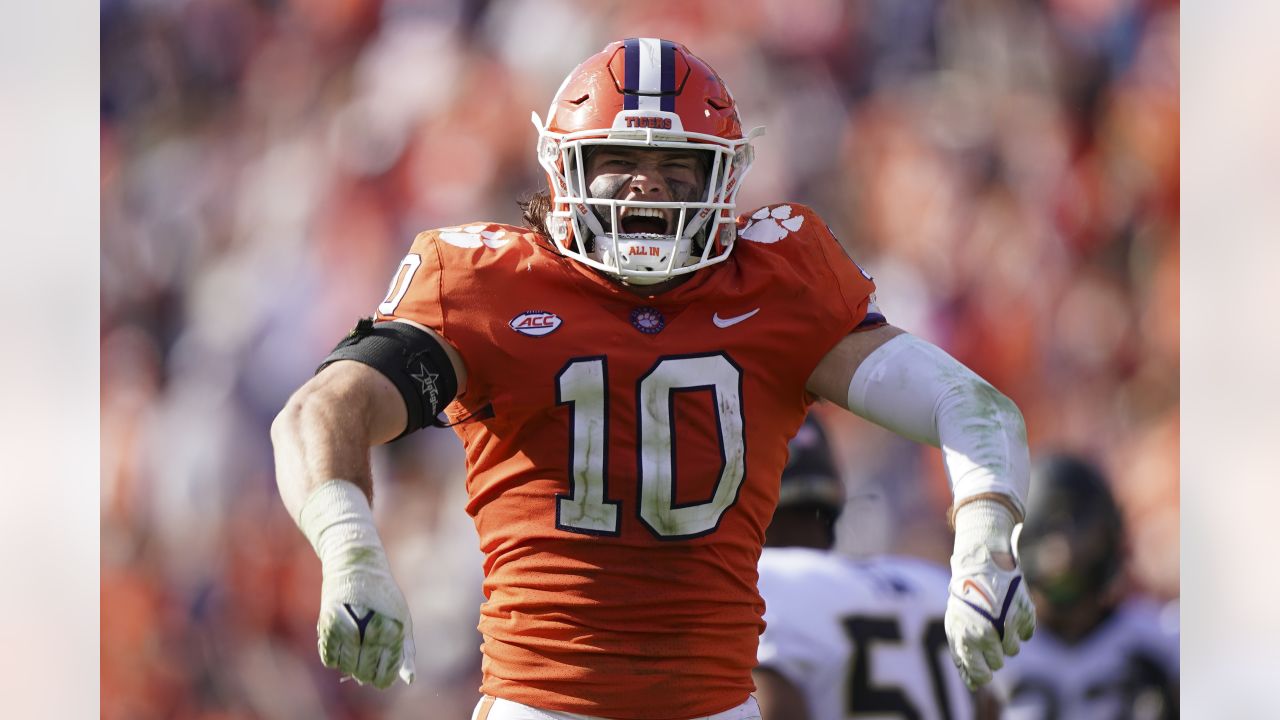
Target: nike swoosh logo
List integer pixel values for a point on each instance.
(971, 584)
(727, 322)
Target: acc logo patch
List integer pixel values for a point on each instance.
(535, 322)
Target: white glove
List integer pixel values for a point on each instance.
(988, 610)
(364, 629)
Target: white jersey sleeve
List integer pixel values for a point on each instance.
(1127, 667)
(860, 637)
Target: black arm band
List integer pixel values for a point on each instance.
(411, 359)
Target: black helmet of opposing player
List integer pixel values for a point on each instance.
(1072, 540)
(810, 477)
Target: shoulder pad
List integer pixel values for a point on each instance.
(772, 223)
(473, 235)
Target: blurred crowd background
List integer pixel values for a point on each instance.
(1006, 169)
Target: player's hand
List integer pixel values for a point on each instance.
(364, 630)
(988, 612)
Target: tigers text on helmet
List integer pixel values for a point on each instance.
(643, 93)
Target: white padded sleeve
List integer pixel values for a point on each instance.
(913, 388)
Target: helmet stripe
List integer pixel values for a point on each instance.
(650, 73)
(668, 76)
(631, 71)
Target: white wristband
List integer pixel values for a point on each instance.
(984, 522)
(336, 518)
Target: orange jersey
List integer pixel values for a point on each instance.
(624, 452)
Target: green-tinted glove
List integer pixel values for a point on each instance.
(364, 629)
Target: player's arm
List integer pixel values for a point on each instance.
(326, 429)
(913, 388)
(382, 381)
(778, 697)
(986, 704)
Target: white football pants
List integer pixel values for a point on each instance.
(491, 708)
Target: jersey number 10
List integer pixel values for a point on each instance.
(583, 385)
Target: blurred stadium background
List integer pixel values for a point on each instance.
(1007, 169)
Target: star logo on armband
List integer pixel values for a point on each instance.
(427, 384)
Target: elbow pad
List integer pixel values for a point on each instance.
(913, 388)
(411, 358)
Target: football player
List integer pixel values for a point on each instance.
(848, 637)
(624, 374)
(1096, 653)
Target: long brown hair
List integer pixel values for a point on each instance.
(534, 207)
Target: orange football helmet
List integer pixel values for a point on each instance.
(648, 93)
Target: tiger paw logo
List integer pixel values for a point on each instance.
(648, 320)
(769, 225)
(473, 236)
